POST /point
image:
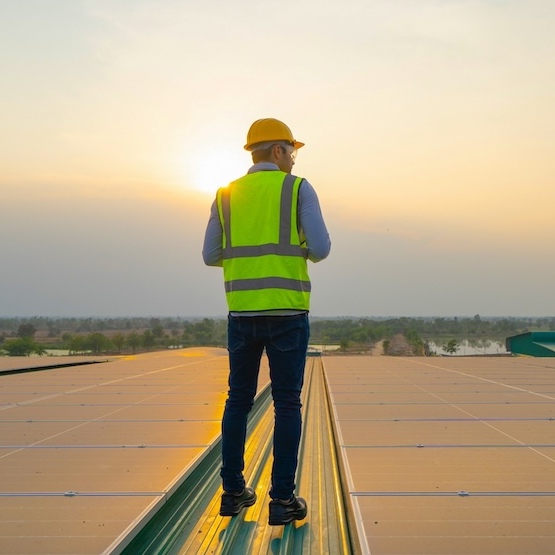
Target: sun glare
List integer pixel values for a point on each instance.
(214, 167)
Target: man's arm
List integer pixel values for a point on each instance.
(312, 223)
(212, 248)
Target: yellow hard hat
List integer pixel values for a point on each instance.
(267, 130)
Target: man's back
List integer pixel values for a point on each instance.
(263, 228)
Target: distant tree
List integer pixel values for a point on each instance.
(484, 344)
(148, 340)
(134, 341)
(473, 342)
(97, 343)
(203, 332)
(75, 343)
(85, 325)
(26, 330)
(22, 347)
(157, 331)
(172, 325)
(451, 346)
(118, 340)
(186, 338)
(100, 325)
(53, 331)
(415, 342)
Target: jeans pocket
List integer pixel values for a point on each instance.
(235, 334)
(291, 334)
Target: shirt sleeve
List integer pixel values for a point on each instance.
(212, 248)
(312, 223)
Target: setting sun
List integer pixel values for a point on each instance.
(215, 166)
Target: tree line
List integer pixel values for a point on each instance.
(27, 339)
(24, 336)
(421, 332)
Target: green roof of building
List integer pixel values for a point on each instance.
(532, 343)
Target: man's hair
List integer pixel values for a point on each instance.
(262, 155)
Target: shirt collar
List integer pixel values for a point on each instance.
(262, 167)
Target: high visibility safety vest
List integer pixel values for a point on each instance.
(264, 257)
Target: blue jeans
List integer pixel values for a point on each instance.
(285, 339)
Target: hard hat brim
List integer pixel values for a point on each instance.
(296, 144)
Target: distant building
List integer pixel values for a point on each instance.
(532, 343)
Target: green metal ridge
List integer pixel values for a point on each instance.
(179, 514)
(348, 520)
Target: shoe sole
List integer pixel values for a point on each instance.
(286, 520)
(235, 512)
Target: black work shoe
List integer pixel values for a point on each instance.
(283, 512)
(232, 503)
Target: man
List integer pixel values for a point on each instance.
(263, 228)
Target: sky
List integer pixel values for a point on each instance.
(429, 128)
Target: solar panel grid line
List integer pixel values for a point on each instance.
(82, 493)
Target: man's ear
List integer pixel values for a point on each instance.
(276, 152)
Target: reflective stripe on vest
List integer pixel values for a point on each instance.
(267, 283)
